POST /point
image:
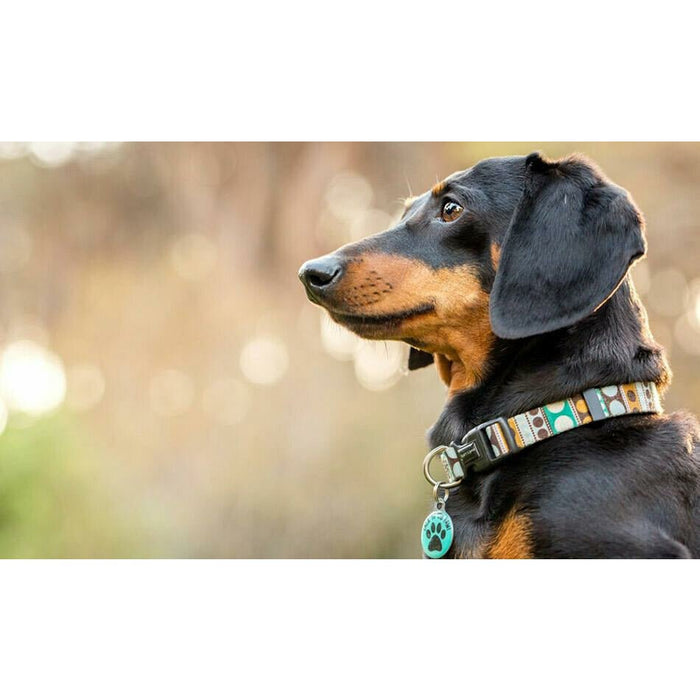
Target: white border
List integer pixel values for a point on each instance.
(344, 629)
(364, 71)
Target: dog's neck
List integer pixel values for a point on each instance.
(612, 346)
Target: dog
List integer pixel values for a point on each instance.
(512, 278)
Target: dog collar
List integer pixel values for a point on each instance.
(490, 442)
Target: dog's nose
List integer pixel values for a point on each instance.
(319, 275)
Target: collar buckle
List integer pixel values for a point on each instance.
(474, 452)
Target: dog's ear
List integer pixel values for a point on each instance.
(572, 238)
(418, 359)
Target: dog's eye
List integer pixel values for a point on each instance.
(451, 211)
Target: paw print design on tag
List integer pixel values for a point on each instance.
(437, 534)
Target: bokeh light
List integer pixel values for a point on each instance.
(12, 149)
(337, 341)
(32, 378)
(687, 333)
(28, 327)
(264, 360)
(52, 154)
(347, 195)
(4, 413)
(378, 366)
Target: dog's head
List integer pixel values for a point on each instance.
(511, 248)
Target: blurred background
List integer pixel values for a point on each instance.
(166, 390)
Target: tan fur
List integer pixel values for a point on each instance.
(513, 538)
(458, 329)
(438, 189)
(495, 255)
(444, 368)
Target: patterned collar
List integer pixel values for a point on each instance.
(491, 441)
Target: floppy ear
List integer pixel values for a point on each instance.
(572, 238)
(418, 359)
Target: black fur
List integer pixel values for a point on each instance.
(418, 358)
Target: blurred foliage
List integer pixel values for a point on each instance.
(212, 420)
(49, 503)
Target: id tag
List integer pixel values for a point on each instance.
(437, 534)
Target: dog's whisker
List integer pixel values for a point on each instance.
(408, 184)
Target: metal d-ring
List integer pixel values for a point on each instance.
(440, 502)
(447, 485)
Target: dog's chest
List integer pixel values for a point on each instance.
(472, 540)
(479, 534)
(511, 538)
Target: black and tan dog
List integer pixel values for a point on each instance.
(512, 277)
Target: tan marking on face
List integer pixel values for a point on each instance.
(408, 201)
(513, 539)
(438, 189)
(458, 330)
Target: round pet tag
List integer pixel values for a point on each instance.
(437, 534)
